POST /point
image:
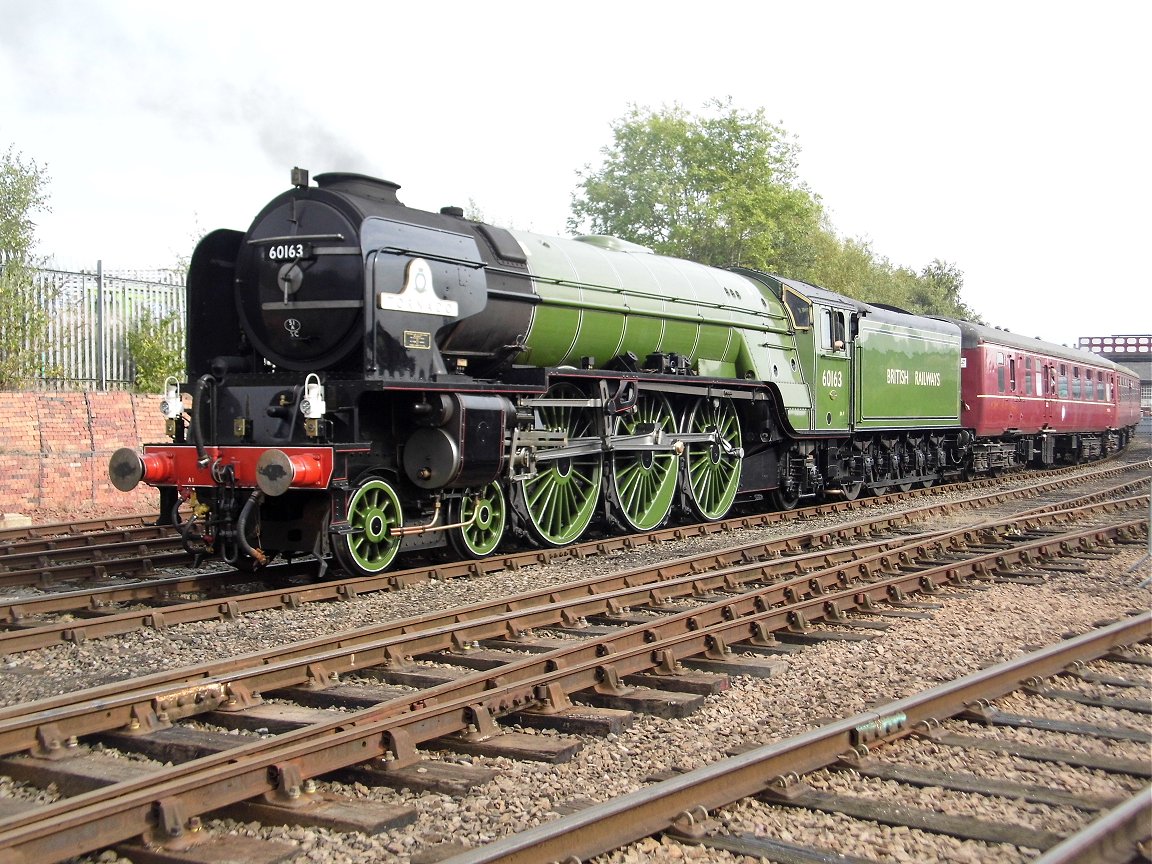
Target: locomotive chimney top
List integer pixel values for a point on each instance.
(359, 184)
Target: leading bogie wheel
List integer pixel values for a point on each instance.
(713, 469)
(482, 518)
(373, 512)
(559, 501)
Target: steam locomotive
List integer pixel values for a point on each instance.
(367, 379)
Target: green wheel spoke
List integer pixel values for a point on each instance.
(643, 483)
(560, 501)
(373, 512)
(713, 475)
(483, 518)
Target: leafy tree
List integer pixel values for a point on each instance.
(941, 281)
(723, 189)
(156, 345)
(23, 321)
(852, 267)
(720, 189)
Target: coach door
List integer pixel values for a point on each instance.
(1051, 401)
(833, 384)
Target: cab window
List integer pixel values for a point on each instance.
(833, 329)
(799, 309)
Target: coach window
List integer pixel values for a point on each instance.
(1000, 371)
(1012, 374)
(1075, 382)
(1100, 387)
(1029, 387)
(1063, 391)
(1110, 382)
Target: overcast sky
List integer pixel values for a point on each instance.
(1009, 138)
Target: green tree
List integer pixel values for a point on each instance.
(23, 320)
(941, 282)
(720, 189)
(850, 266)
(156, 345)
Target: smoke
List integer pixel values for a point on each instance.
(71, 57)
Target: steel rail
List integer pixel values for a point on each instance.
(139, 566)
(16, 549)
(732, 558)
(47, 725)
(1111, 839)
(676, 802)
(234, 607)
(30, 533)
(106, 551)
(110, 623)
(393, 729)
(144, 566)
(185, 693)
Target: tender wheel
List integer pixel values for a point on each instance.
(783, 500)
(881, 472)
(851, 491)
(713, 472)
(907, 466)
(373, 512)
(857, 456)
(644, 482)
(560, 501)
(485, 516)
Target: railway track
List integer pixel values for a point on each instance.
(35, 619)
(157, 604)
(877, 750)
(64, 556)
(648, 632)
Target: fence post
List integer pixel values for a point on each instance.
(101, 370)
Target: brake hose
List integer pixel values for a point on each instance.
(242, 527)
(202, 385)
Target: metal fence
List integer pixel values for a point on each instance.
(90, 314)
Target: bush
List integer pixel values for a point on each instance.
(23, 327)
(156, 344)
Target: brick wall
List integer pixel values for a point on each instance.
(54, 450)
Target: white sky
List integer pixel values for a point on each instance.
(1010, 138)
